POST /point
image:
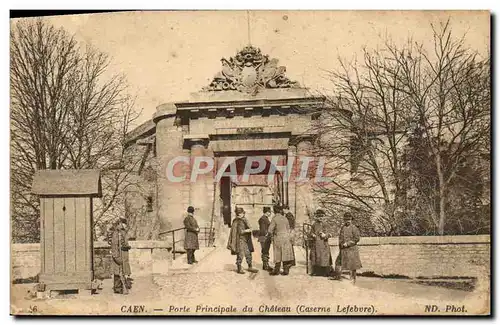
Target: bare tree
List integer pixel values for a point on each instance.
(363, 128)
(67, 111)
(380, 103)
(450, 92)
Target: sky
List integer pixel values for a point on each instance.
(166, 55)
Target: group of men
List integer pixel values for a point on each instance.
(320, 256)
(277, 231)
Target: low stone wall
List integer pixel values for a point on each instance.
(25, 260)
(424, 256)
(429, 256)
(146, 257)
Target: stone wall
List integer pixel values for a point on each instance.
(424, 256)
(146, 257)
(429, 256)
(25, 260)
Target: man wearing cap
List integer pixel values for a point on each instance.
(191, 237)
(321, 257)
(264, 240)
(120, 266)
(348, 240)
(279, 229)
(240, 241)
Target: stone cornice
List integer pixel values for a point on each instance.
(193, 139)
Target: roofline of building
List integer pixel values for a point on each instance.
(146, 129)
(215, 100)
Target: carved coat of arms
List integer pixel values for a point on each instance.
(249, 71)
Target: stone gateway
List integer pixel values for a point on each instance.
(250, 109)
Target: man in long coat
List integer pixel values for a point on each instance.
(120, 266)
(240, 241)
(321, 257)
(264, 240)
(279, 229)
(191, 236)
(291, 221)
(348, 240)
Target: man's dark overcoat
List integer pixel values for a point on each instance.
(240, 242)
(119, 252)
(191, 235)
(320, 250)
(349, 255)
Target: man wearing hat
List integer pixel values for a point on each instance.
(264, 240)
(348, 241)
(240, 241)
(321, 258)
(120, 266)
(191, 237)
(279, 229)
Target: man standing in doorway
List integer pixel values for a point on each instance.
(265, 241)
(240, 241)
(289, 216)
(191, 237)
(279, 229)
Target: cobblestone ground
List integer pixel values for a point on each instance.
(214, 283)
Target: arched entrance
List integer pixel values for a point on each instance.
(253, 192)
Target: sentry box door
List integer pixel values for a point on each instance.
(66, 241)
(66, 236)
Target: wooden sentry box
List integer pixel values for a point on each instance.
(66, 226)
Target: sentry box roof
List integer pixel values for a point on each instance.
(75, 182)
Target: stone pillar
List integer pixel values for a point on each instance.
(292, 150)
(304, 189)
(169, 142)
(211, 194)
(201, 188)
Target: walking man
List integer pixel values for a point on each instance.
(240, 241)
(120, 266)
(348, 240)
(265, 241)
(321, 257)
(191, 236)
(279, 229)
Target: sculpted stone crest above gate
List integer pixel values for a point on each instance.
(250, 71)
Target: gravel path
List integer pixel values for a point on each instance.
(213, 284)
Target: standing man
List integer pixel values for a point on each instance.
(321, 257)
(290, 217)
(265, 241)
(191, 237)
(279, 229)
(348, 240)
(120, 266)
(291, 222)
(240, 241)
